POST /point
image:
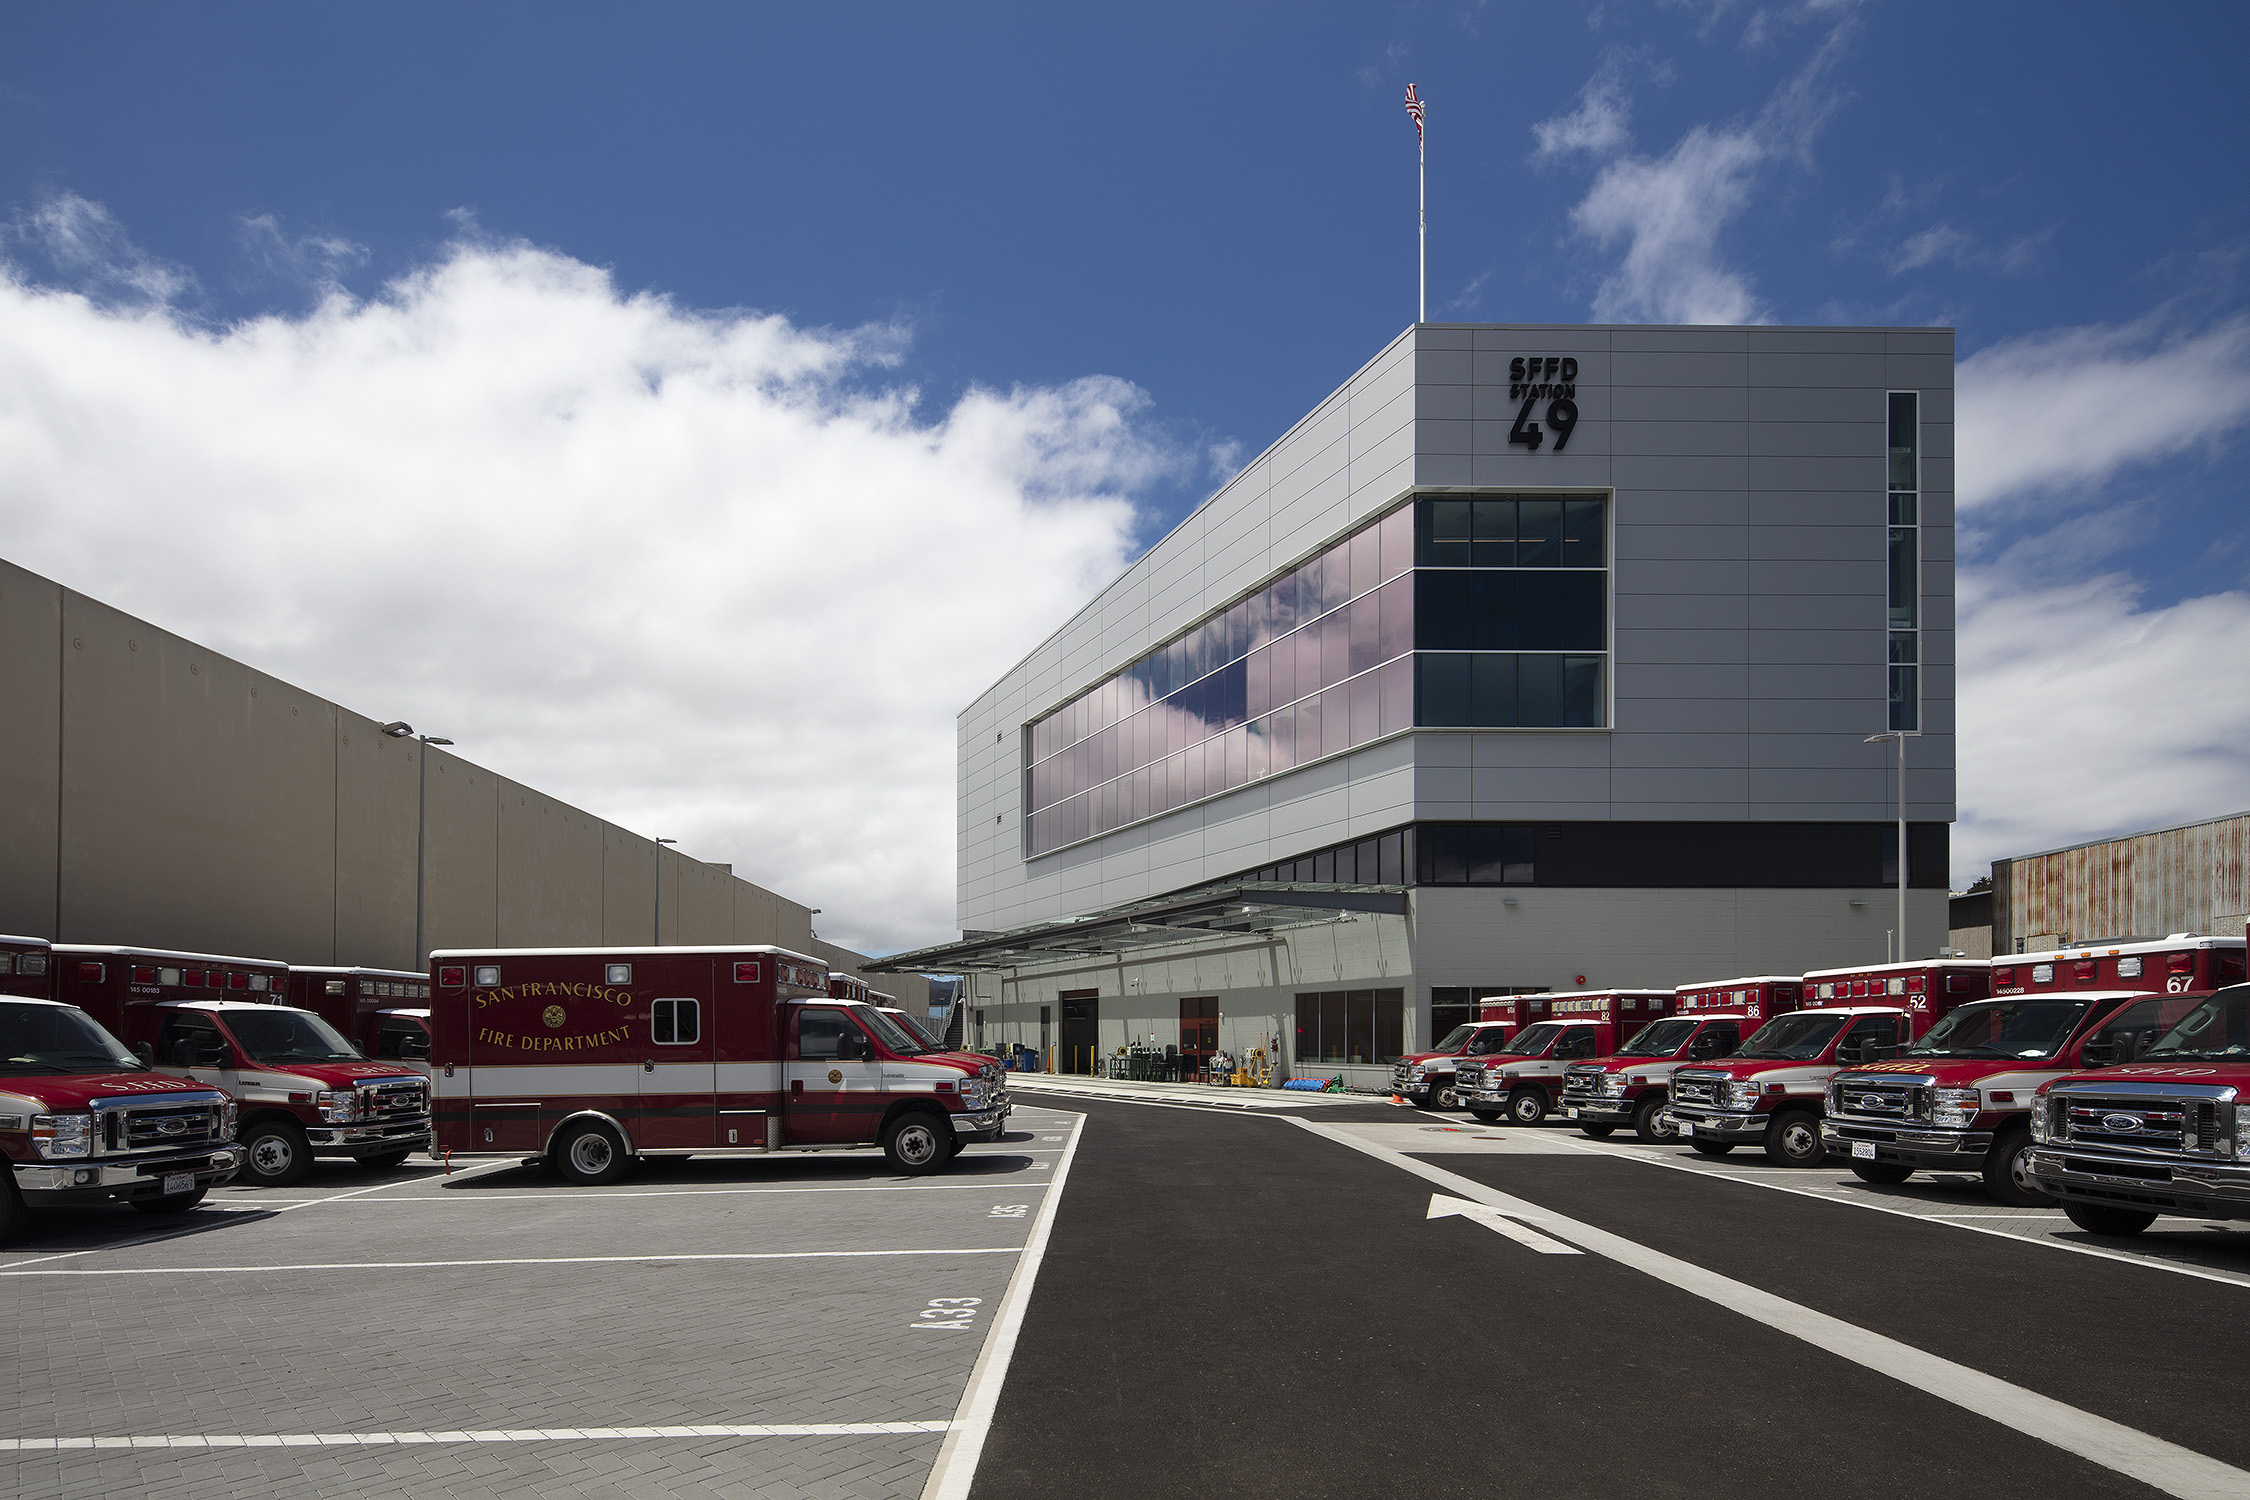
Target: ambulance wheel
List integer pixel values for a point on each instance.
(2007, 1172)
(1526, 1107)
(2100, 1218)
(589, 1154)
(277, 1153)
(1651, 1124)
(1710, 1148)
(1601, 1132)
(177, 1203)
(1882, 1173)
(1793, 1139)
(12, 1211)
(1486, 1116)
(386, 1161)
(915, 1143)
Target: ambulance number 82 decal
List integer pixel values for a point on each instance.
(1562, 416)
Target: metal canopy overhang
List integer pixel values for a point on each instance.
(1246, 907)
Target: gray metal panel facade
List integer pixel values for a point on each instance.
(1747, 466)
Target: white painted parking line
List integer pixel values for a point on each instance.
(956, 1466)
(550, 1260)
(2129, 1451)
(503, 1435)
(574, 1198)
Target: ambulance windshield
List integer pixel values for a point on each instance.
(1455, 1039)
(916, 1029)
(274, 1035)
(1794, 1037)
(36, 1038)
(889, 1032)
(1664, 1037)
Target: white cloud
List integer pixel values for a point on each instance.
(1599, 125)
(83, 241)
(2084, 715)
(1942, 242)
(1670, 210)
(2069, 409)
(704, 574)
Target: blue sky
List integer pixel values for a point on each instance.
(1208, 210)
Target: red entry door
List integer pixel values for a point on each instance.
(1199, 1032)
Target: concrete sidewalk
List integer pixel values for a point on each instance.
(1184, 1093)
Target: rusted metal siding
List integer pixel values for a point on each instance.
(2190, 879)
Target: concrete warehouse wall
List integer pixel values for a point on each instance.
(154, 791)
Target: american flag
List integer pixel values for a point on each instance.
(1414, 108)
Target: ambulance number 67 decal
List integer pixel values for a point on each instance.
(2178, 984)
(947, 1312)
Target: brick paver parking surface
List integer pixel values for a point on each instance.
(708, 1293)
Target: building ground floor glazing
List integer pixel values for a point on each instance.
(1345, 995)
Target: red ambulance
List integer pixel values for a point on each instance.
(304, 1090)
(1632, 1087)
(1523, 1076)
(383, 1012)
(1773, 1089)
(83, 1121)
(1959, 1100)
(587, 1058)
(1430, 1080)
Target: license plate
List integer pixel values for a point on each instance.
(1686, 1127)
(1865, 1150)
(178, 1182)
(1574, 1114)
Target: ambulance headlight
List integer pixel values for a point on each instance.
(1953, 1108)
(1416, 1072)
(226, 1120)
(1742, 1093)
(338, 1105)
(59, 1136)
(1614, 1084)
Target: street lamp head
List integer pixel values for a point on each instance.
(398, 729)
(667, 841)
(1877, 739)
(434, 739)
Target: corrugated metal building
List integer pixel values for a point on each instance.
(2191, 878)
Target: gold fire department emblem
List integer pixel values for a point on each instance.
(835, 1075)
(553, 1016)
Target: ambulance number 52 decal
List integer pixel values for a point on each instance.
(947, 1312)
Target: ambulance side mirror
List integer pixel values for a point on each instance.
(146, 1053)
(414, 1048)
(850, 1046)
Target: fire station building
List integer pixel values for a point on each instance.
(1533, 658)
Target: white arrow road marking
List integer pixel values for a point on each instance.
(1442, 1207)
(2166, 1466)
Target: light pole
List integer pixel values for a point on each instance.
(399, 731)
(660, 843)
(1877, 739)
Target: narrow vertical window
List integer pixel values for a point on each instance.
(1903, 561)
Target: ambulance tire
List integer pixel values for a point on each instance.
(1648, 1123)
(1711, 1148)
(2100, 1218)
(1527, 1107)
(276, 1154)
(1601, 1132)
(12, 1212)
(589, 1154)
(915, 1142)
(2007, 1175)
(1882, 1173)
(177, 1203)
(1793, 1139)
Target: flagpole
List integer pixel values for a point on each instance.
(1422, 172)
